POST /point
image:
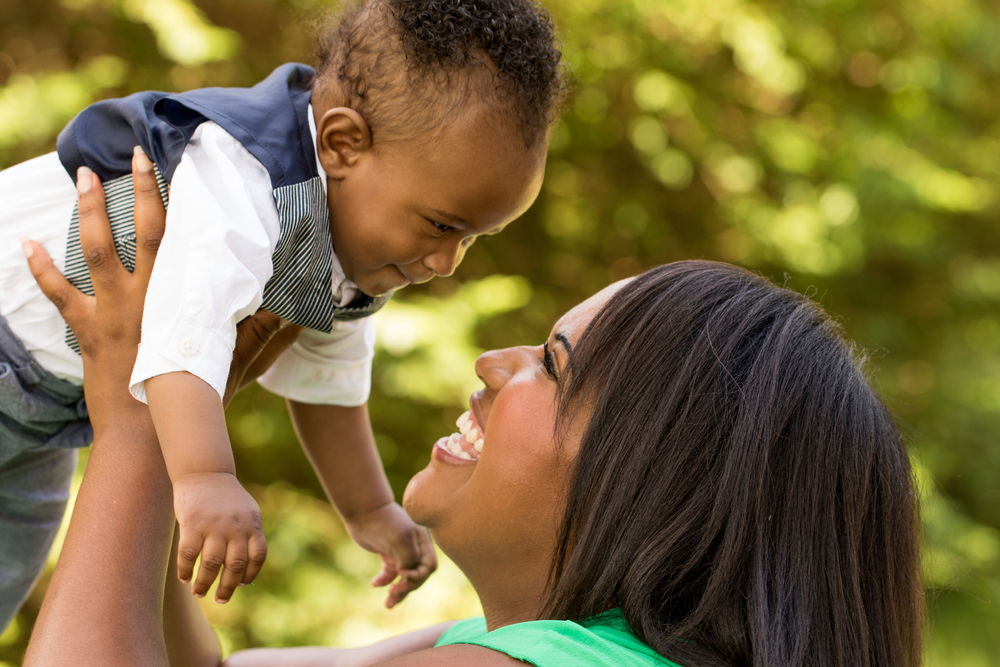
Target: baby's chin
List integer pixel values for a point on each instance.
(385, 281)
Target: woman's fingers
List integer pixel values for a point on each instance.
(95, 232)
(68, 299)
(150, 215)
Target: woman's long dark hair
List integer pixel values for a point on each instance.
(740, 492)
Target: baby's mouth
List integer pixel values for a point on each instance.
(468, 442)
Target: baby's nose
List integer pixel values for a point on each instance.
(445, 260)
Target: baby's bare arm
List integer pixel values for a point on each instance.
(217, 517)
(191, 425)
(341, 447)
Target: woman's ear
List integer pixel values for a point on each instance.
(342, 135)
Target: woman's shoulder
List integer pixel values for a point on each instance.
(604, 640)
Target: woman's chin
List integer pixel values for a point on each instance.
(431, 493)
(413, 498)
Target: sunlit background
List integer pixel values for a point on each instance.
(847, 148)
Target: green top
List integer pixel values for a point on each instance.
(603, 640)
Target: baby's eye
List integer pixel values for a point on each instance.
(441, 229)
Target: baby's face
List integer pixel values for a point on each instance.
(406, 213)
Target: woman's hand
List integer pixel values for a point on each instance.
(106, 324)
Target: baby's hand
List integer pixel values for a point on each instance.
(219, 520)
(405, 547)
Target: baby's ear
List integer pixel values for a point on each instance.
(342, 135)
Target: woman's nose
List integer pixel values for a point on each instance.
(496, 367)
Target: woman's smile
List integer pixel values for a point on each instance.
(466, 446)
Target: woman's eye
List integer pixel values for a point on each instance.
(549, 362)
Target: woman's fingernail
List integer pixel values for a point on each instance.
(29, 250)
(241, 584)
(83, 179)
(141, 160)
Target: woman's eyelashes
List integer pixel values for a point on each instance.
(549, 362)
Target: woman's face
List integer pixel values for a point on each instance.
(496, 491)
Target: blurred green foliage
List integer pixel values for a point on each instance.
(848, 149)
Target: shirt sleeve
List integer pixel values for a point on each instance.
(213, 262)
(326, 369)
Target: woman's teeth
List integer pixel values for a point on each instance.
(456, 448)
(470, 435)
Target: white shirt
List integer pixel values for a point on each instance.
(210, 272)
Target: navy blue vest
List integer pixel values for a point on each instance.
(271, 121)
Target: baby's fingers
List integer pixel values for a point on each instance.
(388, 572)
(188, 548)
(428, 555)
(257, 554)
(213, 557)
(232, 575)
(409, 580)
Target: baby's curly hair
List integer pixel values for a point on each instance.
(396, 59)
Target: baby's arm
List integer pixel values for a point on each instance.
(341, 447)
(217, 517)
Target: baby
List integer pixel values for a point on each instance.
(315, 195)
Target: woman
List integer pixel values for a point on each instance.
(692, 467)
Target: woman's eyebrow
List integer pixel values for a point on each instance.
(565, 341)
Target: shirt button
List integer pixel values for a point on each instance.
(189, 346)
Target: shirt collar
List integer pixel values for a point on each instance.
(344, 290)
